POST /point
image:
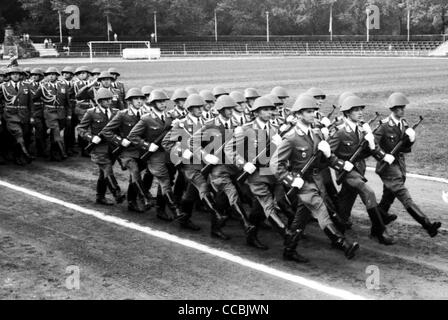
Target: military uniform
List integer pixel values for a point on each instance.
(88, 93)
(69, 136)
(81, 107)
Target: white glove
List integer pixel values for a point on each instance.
(212, 159)
(125, 143)
(325, 132)
(389, 159)
(153, 147)
(249, 168)
(348, 166)
(96, 140)
(371, 140)
(325, 148)
(298, 183)
(366, 128)
(411, 134)
(187, 154)
(326, 122)
(277, 140)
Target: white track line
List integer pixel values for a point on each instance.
(339, 293)
(419, 176)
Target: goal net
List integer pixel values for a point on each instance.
(125, 49)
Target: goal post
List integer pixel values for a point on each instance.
(115, 48)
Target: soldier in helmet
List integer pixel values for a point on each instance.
(146, 90)
(190, 149)
(391, 131)
(344, 143)
(179, 97)
(276, 120)
(95, 74)
(18, 106)
(283, 95)
(26, 74)
(40, 129)
(210, 99)
(238, 116)
(116, 84)
(55, 96)
(68, 74)
(295, 150)
(90, 129)
(117, 131)
(250, 94)
(147, 135)
(82, 74)
(217, 92)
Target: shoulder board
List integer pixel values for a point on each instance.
(385, 120)
(210, 122)
(405, 122)
(291, 133)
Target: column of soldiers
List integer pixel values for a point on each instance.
(233, 154)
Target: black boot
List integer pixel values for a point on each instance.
(101, 188)
(61, 149)
(162, 214)
(115, 189)
(144, 193)
(431, 227)
(277, 224)
(379, 231)
(291, 240)
(170, 201)
(386, 216)
(253, 241)
(134, 206)
(210, 203)
(238, 208)
(185, 215)
(338, 241)
(28, 158)
(19, 157)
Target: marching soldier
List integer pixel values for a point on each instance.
(18, 107)
(219, 91)
(210, 99)
(40, 129)
(26, 74)
(276, 115)
(90, 128)
(57, 111)
(69, 134)
(297, 148)
(3, 136)
(81, 105)
(238, 116)
(191, 165)
(344, 143)
(283, 95)
(116, 83)
(146, 90)
(179, 97)
(250, 94)
(393, 129)
(148, 135)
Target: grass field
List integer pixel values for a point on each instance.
(425, 81)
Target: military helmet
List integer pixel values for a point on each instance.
(113, 71)
(251, 93)
(191, 90)
(179, 94)
(262, 102)
(194, 100)
(224, 102)
(2, 72)
(237, 96)
(207, 95)
(103, 94)
(219, 91)
(275, 99)
(105, 75)
(158, 95)
(27, 70)
(147, 90)
(82, 69)
(37, 71)
(397, 99)
(352, 102)
(316, 92)
(96, 71)
(280, 92)
(52, 70)
(14, 70)
(343, 96)
(68, 70)
(304, 102)
(134, 93)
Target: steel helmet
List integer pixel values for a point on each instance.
(343, 96)
(219, 91)
(237, 96)
(103, 93)
(224, 102)
(105, 75)
(2, 72)
(96, 71)
(147, 90)
(179, 94)
(52, 70)
(352, 102)
(14, 70)
(113, 71)
(194, 100)
(251, 93)
(274, 99)
(207, 95)
(37, 71)
(68, 70)
(397, 99)
(191, 90)
(82, 69)
(262, 102)
(134, 93)
(304, 102)
(158, 95)
(26, 70)
(316, 92)
(280, 92)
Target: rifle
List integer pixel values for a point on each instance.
(91, 145)
(157, 141)
(357, 153)
(398, 146)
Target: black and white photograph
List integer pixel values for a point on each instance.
(223, 155)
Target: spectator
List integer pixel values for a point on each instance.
(50, 43)
(69, 41)
(46, 43)
(115, 37)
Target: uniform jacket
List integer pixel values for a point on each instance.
(55, 96)
(38, 106)
(87, 93)
(18, 104)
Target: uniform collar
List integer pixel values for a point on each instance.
(351, 124)
(304, 128)
(224, 121)
(395, 120)
(261, 124)
(134, 111)
(193, 119)
(157, 113)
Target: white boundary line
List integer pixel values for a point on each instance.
(418, 176)
(339, 293)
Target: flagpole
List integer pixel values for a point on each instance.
(216, 27)
(331, 21)
(409, 21)
(108, 32)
